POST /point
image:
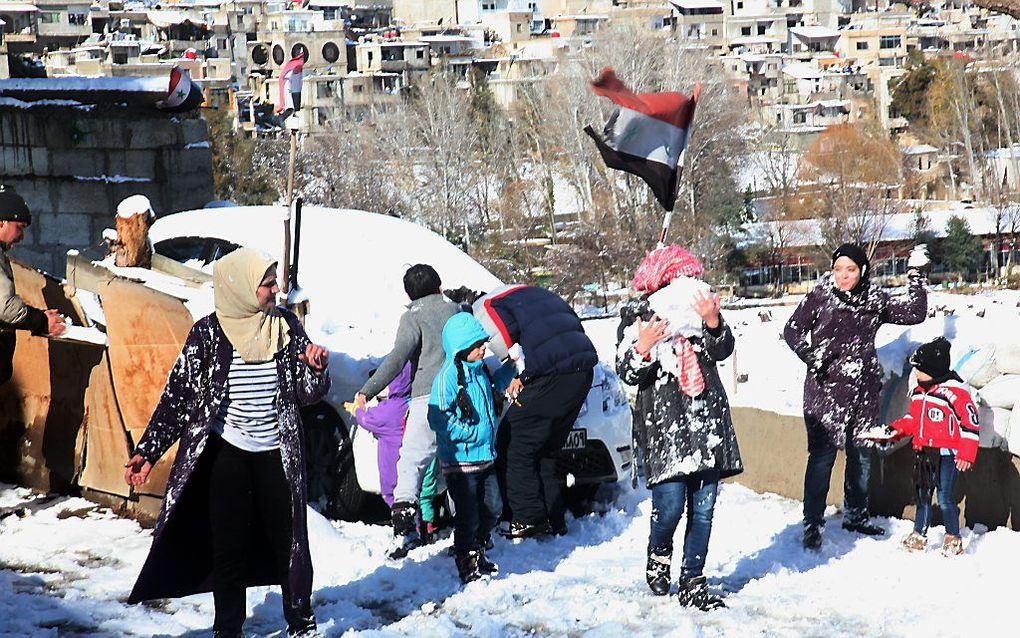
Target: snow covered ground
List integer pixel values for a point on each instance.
(69, 565)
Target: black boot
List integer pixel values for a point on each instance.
(694, 593)
(657, 569)
(857, 521)
(405, 529)
(486, 566)
(468, 567)
(222, 633)
(812, 535)
(520, 529)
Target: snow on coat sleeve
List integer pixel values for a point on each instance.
(797, 332)
(913, 309)
(310, 387)
(719, 343)
(632, 367)
(408, 341)
(178, 400)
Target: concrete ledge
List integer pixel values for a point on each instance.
(774, 450)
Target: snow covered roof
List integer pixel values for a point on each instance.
(754, 39)
(815, 32)
(919, 149)
(802, 71)
(166, 18)
(807, 232)
(18, 7)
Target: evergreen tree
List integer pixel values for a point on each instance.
(960, 247)
(910, 91)
(923, 234)
(237, 175)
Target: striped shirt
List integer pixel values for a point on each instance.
(247, 418)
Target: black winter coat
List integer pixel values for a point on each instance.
(836, 339)
(545, 326)
(180, 559)
(683, 435)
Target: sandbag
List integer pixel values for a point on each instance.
(977, 367)
(995, 425)
(1012, 442)
(1007, 357)
(1002, 392)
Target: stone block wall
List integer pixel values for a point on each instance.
(74, 164)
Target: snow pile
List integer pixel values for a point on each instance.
(68, 566)
(352, 265)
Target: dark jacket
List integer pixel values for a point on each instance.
(15, 314)
(836, 339)
(683, 435)
(180, 559)
(545, 327)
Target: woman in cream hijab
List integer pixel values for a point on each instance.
(234, 510)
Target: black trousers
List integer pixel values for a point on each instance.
(530, 440)
(248, 498)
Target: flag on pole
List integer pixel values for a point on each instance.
(291, 79)
(182, 94)
(646, 135)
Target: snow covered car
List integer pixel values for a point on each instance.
(350, 266)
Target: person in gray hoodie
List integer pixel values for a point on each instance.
(420, 342)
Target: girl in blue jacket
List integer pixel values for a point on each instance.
(462, 411)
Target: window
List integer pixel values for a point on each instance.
(240, 21)
(889, 42)
(745, 30)
(488, 6)
(740, 5)
(519, 27)
(78, 19)
(862, 46)
(420, 54)
(762, 28)
(221, 44)
(359, 88)
(715, 31)
(49, 17)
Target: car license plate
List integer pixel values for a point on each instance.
(577, 440)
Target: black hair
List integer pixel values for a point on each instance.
(462, 403)
(421, 280)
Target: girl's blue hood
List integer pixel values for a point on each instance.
(461, 332)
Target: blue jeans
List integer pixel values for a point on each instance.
(696, 492)
(821, 457)
(946, 484)
(478, 506)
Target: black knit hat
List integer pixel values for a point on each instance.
(12, 207)
(856, 254)
(932, 358)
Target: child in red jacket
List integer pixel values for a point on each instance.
(943, 421)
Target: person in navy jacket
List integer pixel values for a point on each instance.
(556, 375)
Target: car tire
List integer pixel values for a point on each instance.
(332, 482)
(579, 498)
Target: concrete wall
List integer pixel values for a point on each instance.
(774, 450)
(73, 165)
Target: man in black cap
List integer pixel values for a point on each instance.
(15, 314)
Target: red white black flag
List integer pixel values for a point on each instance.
(183, 93)
(646, 135)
